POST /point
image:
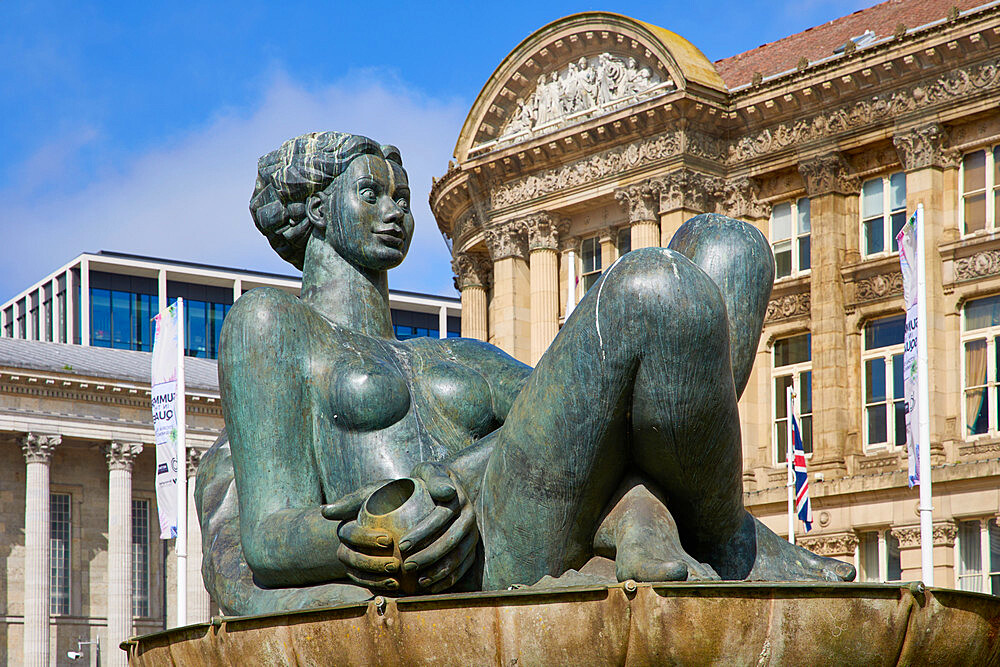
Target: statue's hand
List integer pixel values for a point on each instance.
(365, 553)
(442, 547)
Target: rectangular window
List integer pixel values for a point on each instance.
(792, 363)
(47, 308)
(882, 371)
(980, 190)
(883, 213)
(624, 240)
(590, 255)
(59, 552)
(100, 317)
(8, 322)
(790, 230)
(978, 564)
(140, 557)
(979, 366)
(22, 319)
(878, 554)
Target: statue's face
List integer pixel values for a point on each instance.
(369, 218)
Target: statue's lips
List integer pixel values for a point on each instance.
(391, 237)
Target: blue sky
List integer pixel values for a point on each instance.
(136, 126)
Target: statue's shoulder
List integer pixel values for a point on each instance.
(261, 318)
(479, 353)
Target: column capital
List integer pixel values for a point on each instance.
(38, 448)
(471, 270)
(641, 201)
(121, 455)
(508, 239)
(688, 189)
(923, 147)
(943, 534)
(740, 199)
(828, 174)
(193, 459)
(544, 230)
(838, 544)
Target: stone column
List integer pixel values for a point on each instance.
(642, 203)
(944, 553)
(472, 278)
(121, 456)
(37, 455)
(926, 162)
(511, 329)
(198, 599)
(543, 244)
(569, 274)
(833, 192)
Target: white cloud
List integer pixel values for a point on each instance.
(187, 198)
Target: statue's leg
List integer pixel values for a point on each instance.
(639, 376)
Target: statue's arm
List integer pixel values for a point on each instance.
(266, 403)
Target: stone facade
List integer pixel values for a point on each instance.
(841, 107)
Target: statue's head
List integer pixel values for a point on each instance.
(341, 189)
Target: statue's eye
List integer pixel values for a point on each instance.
(403, 203)
(368, 194)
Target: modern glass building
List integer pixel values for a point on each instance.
(108, 299)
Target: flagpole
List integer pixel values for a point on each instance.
(923, 410)
(180, 546)
(789, 458)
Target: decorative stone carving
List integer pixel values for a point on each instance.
(612, 161)
(193, 459)
(790, 305)
(879, 286)
(842, 544)
(740, 199)
(121, 455)
(471, 270)
(943, 534)
(924, 147)
(590, 86)
(465, 223)
(705, 145)
(688, 189)
(544, 230)
(828, 173)
(38, 448)
(879, 108)
(507, 240)
(985, 263)
(641, 201)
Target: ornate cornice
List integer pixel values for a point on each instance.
(465, 223)
(883, 107)
(943, 535)
(544, 230)
(828, 173)
(121, 455)
(641, 201)
(924, 147)
(879, 286)
(471, 270)
(985, 263)
(611, 161)
(507, 240)
(38, 448)
(790, 305)
(841, 544)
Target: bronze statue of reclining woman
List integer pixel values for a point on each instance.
(617, 457)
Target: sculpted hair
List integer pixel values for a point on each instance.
(301, 167)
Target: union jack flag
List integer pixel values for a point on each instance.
(802, 505)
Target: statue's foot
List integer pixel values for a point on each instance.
(664, 561)
(775, 559)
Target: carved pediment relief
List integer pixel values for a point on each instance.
(587, 87)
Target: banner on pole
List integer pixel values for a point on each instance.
(907, 242)
(164, 400)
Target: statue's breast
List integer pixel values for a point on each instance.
(459, 394)
(368, 397)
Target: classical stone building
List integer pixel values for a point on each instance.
(600, 133)
(80, 554)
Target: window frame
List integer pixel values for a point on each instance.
(69, 556)
(991, 186)
(887, 353)
(982, 544)
(887, 213)
(883, 536)
(794, 239)
(795, 370)
(598, 264)
(992, 387)
(149, 553)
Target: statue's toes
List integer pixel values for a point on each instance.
(702, 572)
(652, 570)
(843, 571)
